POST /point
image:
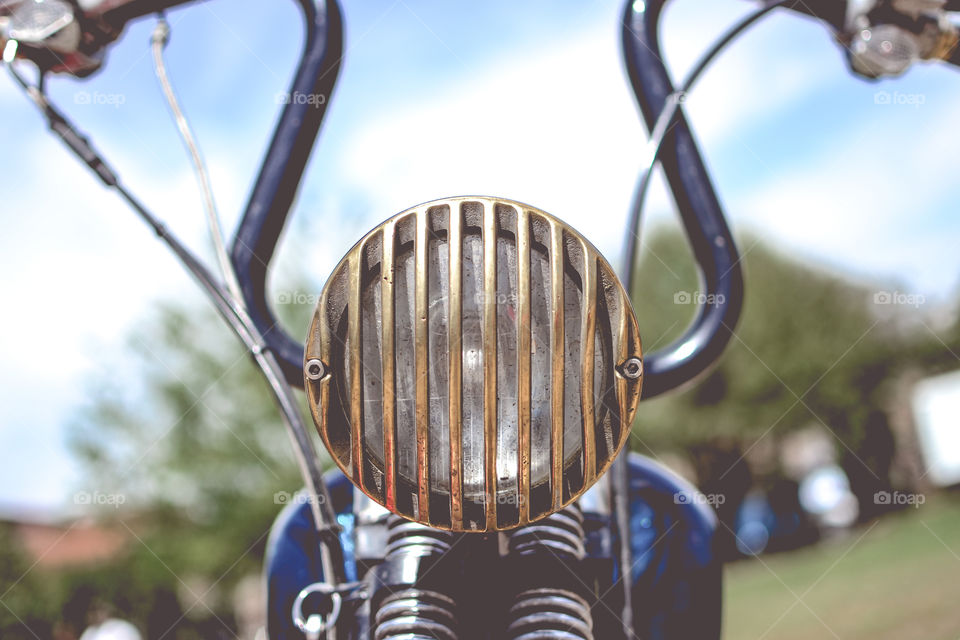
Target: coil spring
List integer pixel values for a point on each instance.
(549, 614)
(539, 614)
(561, 533)
(411, 538)
(415, 614)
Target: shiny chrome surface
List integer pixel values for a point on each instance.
(473, 352)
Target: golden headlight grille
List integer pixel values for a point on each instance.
(482, 364)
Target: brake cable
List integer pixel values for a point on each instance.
(620, 470)
(158, 41)
(231, 309)
(663, 124)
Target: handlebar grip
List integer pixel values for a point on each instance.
(703, 219)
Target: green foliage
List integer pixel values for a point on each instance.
(22, 607)
(196, 447)
(808, 349)
(44, 603)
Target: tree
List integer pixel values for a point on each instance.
(808, 348)
(196, 449)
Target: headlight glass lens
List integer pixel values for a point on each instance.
(472, 346)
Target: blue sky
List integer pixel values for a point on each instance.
(522, 100)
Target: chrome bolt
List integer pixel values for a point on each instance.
(315, 369)
(632, 368)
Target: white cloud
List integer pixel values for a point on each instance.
(776, 62)
(82, 272)
(870, 202)
(559, 129)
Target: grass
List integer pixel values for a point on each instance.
(895, 578)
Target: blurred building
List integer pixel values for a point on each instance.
(55, 545)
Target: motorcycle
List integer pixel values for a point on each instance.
(474, 364)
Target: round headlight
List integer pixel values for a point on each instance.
(473, 364)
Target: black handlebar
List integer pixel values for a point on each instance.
(713, 246)
(283, 166)
(285, 161)
(286, 158)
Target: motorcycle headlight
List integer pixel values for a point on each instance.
(473, 364)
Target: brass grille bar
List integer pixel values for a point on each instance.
(524, 332)
(420, 340)
(588, 319)
(388, 366)
(490, 361)
(455, 348)
(326, 355)
(621, 382)
(356, 377)
(557, 355)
